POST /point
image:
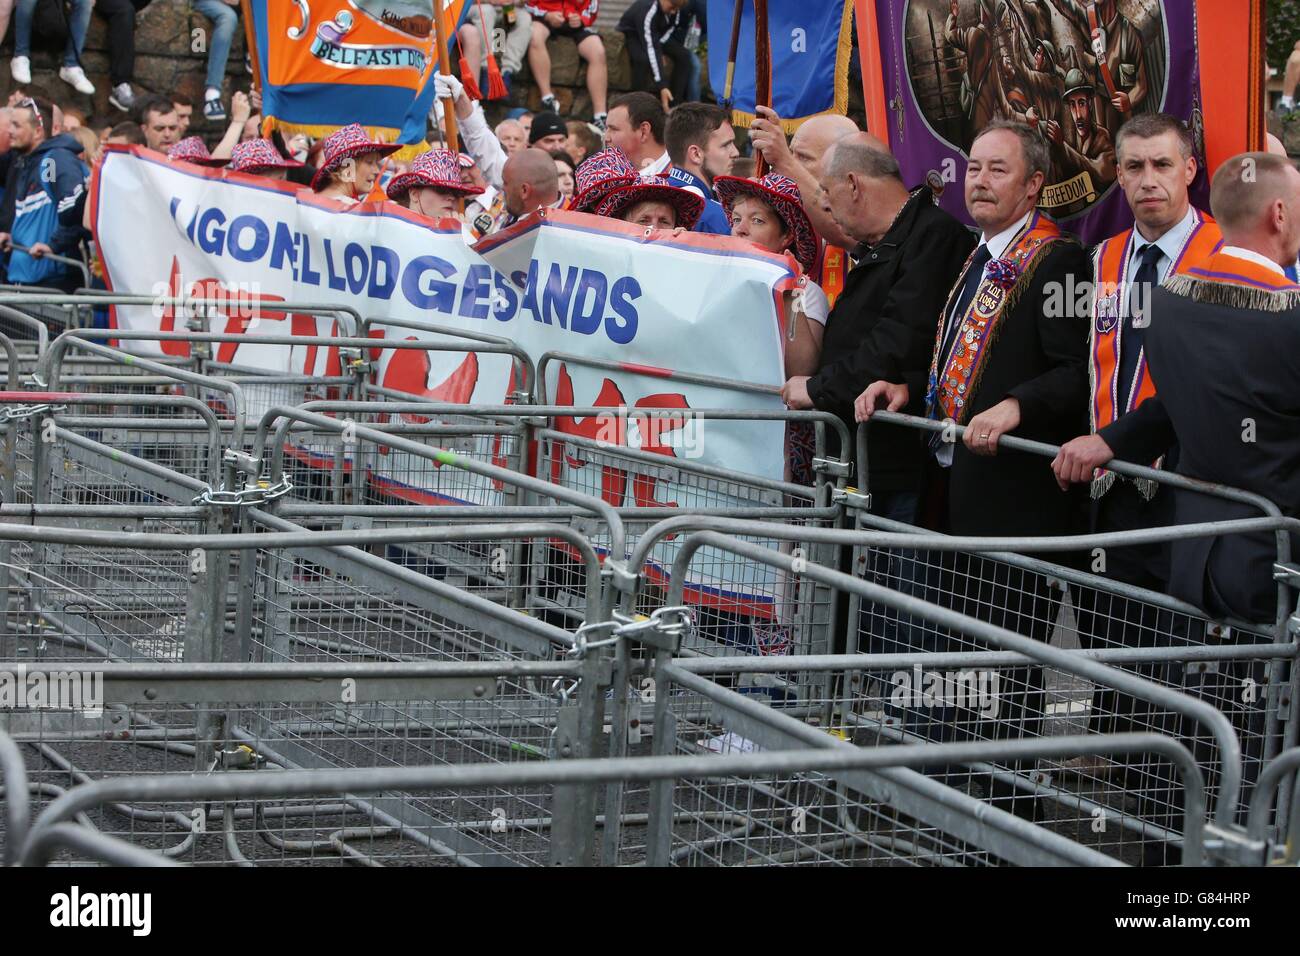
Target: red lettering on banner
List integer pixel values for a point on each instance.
(613, 481)
(408, 371)
(613, 430)
(180, 349)
(643, 486)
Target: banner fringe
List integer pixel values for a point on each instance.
(379, 134)
(843, 53)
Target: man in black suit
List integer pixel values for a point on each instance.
(1223, 347)
(1009, 357)
(1011, 351)
(908, 254)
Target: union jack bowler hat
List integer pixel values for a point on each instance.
(257, 155)
(688, 204)
(192, 149)
(599, 174)
(781, 193)
(344, 144)
(438, 168)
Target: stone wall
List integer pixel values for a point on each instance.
(166, 35)
(168, 31)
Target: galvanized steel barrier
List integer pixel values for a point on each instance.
(333, 622)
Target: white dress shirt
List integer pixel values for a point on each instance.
(1250, 256)
(659, 167)
(1170, 245)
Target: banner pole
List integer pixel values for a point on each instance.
(873, 71)
(444, 66)
(762, 73)
(736, 10)
(250, 43)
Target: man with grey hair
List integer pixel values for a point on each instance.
(908, 253)
(511, 135)
(1009, 356)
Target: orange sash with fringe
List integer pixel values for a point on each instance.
(955, 376)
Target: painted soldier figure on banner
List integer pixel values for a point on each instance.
(1074, 70)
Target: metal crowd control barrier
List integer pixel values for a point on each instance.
(77, 264)
(877, 700)
(1247, 669)
(246, 810)
(1277, 844)
(760, 820)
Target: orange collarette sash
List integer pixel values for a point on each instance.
(1110, 303)
(955, 376)
(1240, 283)
(832, 266)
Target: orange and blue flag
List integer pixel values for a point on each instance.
(326, 63)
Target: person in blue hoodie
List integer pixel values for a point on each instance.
(702, 146)
(45, 177)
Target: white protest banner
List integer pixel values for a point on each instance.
(563, 282)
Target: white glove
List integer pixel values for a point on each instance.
(447, 86)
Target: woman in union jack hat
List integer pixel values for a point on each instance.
(769, 213)
(349, 165)
(433, 185)
(259, 157)
(609, 185)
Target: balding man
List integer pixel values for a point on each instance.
(1223, 349)
(909, 252)
(801, 159)
(530, 182)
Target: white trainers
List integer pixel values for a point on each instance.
(20, 68)
(75, 77)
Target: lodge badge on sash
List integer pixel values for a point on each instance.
(1107, 313)
(988, 300)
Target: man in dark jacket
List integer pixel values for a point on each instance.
(908, 256)
(46, 178)
(1009, 356)
(1223, 347)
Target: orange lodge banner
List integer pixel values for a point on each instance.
(937, 72)
(322, 64)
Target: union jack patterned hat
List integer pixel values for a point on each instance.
(688, 204)
(344, 144)
(439, 168)
(599, 174)
(192, 149)
(781, 193)
(256, 155)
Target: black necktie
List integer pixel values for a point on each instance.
(1139, 305)
(971, 282)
